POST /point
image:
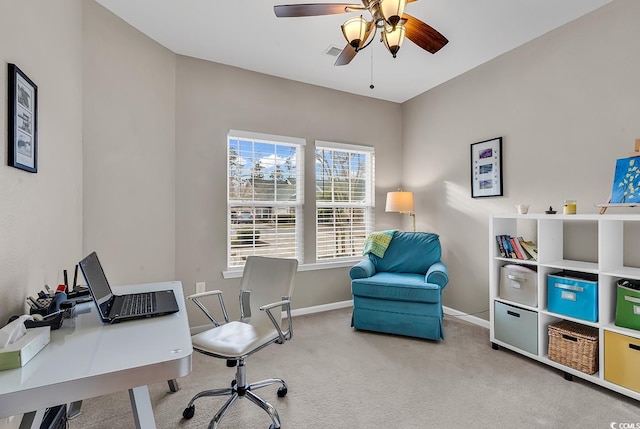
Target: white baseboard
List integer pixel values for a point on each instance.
(466, 317)
(321, 308)
(349, 303)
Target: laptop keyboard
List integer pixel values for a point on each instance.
(139, 303)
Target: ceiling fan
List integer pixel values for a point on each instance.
(386, 15)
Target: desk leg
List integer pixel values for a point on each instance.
(32, 420)
(141, 407)
(74, 410)
(173, 385)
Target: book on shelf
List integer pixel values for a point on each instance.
(516, 247)
(503, 253)
(522, 254)
(531, 248)
(506, 242)
(524, 251)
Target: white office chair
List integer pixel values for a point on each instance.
(265, 292)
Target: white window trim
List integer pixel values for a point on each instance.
(275, 139)
(343, 263)
(330, 263)
(271, 138)
(345, 146)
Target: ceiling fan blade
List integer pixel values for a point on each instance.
(313, 9)
(423, 35)
(346, 56)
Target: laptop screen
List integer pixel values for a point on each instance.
(97, 282)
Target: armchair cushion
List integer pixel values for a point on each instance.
(397, 287)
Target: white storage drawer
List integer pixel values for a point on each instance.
(519, 284)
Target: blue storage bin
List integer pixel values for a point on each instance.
(573, 294)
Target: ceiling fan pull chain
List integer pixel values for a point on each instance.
(371, 86)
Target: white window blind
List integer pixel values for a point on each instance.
(344, 199)
(265, 194)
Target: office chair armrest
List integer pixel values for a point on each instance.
(285, 305)
(275, 304)
(196, 299)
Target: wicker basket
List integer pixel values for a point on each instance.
(574, 345)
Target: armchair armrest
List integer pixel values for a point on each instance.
(196, 300)
(362, 269)
(285, 304)
(438, 274)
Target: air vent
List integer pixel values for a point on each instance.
(333, 51)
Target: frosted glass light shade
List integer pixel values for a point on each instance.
(393, 39)
(392, 10)
(355, 31)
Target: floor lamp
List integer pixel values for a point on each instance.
(401, 202)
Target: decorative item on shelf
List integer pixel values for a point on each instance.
(626, 182)
(401, 202)
(569, 207)
(550, 211)
(522, 208)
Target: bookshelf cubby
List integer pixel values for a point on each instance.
(600, 244)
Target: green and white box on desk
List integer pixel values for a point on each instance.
(17, 354)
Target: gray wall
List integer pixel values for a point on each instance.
(41, 214)
(213, 98)
(567, 106)
(155, 209)
(129, 151)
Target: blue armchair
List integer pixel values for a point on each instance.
(401, 292)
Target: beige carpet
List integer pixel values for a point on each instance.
(341, 378)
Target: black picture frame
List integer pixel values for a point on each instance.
(486, 168)
(23, 121)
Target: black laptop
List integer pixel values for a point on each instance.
(117, 308)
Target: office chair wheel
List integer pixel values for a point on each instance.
(189, 412)
(282, 392)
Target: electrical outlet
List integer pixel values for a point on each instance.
(200, 287)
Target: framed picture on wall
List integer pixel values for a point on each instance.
(23, 121)
(486, 168)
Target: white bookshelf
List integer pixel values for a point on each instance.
(598, 247)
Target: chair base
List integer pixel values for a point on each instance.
(240, 388)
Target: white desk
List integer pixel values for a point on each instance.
(96, 359)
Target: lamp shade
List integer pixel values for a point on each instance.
(392, 10)
(393, 39)
(356, 30)
(400, 201)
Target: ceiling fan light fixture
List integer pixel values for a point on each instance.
(393, 39)
(392, 11)
(356, 30)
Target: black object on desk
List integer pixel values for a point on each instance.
(54, 321)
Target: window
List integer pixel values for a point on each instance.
(265, 193)
(344, 199)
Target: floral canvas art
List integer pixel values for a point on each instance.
(626, 181)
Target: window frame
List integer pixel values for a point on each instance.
(368, 205)
(299, 144)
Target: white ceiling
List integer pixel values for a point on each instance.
(247, 34)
